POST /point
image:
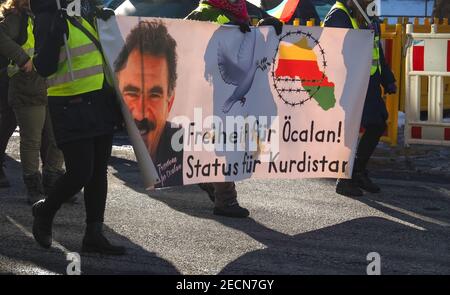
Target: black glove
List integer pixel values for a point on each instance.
(104, 14)
(272, 21)
(244, 28)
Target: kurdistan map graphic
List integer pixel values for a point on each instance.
(296, 74)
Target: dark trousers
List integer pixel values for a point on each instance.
(367, 145)
(7, 118)
(225, 193)
(86, 166)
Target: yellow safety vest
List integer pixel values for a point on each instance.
(221, 19)
(87, 65)
(376, 49)
(28, 47)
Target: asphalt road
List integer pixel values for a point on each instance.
(296, 227)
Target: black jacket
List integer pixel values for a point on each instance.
(25, 89)
(375, 112)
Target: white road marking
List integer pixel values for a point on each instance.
(409, 183)
(415, 215)
(55, 244)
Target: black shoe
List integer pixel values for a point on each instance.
(95, 242)
(348, 188)
(42, 225)
(233, 210)
(209, 189)
(35, 190)
(3, 180)
(363, 181)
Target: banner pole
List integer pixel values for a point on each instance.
(66, 46)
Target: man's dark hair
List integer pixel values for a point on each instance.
(151, 37)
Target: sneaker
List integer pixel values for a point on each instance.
(348, 188)
(233, 210)
(363, 181)
(42, 226)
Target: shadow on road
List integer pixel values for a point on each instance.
(418, 247)
(343, 248)
(20, 254)
(427, 207)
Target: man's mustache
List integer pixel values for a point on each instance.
(145, 126)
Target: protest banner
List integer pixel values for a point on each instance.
(212, 104)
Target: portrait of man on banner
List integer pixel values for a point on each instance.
(146, 71)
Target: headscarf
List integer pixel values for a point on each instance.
(238, 9)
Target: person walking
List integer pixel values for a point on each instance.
(346, 14)
(222, 12)
(84, 114)
(27, 95)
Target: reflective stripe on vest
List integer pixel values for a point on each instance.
(87, 65)
(376, 44)
(221, 19)
(376, 56)
(77, 51)
(28, 47)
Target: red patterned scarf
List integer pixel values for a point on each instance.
(238, 9)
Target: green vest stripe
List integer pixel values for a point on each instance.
(77, 51)
(79, 74)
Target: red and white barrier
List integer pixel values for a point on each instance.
(429, 56)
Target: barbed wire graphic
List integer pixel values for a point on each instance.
(297, 90)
